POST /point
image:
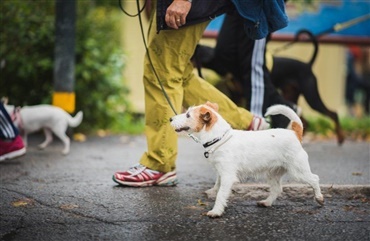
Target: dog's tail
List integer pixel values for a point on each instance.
(76, 120)
(313, 39)
(295, 122)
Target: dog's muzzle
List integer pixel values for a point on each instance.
(179, 129)
(182, 129)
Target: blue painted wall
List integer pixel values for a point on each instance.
(326, 16)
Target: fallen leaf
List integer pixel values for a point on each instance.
(348, 208)
(201, 203)
(79, 137)
(102, 133)
(23, 202)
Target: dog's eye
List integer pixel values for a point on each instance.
(187, 115)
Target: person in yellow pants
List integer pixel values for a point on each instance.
(170, 52)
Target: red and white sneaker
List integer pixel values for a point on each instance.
(258, 124)
(11, 149)
(141, 176)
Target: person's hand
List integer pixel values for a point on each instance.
(176, 13)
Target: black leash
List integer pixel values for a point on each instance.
(336, 28)
(139, 11)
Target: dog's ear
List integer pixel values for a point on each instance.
(212, 105)
(205, 114)
(206, 117)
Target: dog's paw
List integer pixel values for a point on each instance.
(264, 204)
(41, 146)
(65, 151)
(320, 200)
(214, 214)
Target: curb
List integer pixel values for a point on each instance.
(301, 191)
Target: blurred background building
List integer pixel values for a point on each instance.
(340, 23)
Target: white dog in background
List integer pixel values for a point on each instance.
(50, 119)
(237, 154)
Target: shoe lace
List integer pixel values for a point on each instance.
(137, 169)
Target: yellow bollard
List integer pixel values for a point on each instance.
(65, 100)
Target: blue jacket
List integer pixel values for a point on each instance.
(262, 16)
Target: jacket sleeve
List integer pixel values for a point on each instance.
(261, 17)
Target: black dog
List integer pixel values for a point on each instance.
(292, 77)
(295, 78)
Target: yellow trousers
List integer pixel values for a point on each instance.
(170, 52)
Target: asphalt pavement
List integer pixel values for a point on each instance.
(47, 196)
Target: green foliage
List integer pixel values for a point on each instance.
(321, 125)
(99, 88)
(303, 5)
(27, 52)
(356, 124)
(307, 2)
(356, 127)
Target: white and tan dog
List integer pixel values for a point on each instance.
(50, 119)
(237, 154)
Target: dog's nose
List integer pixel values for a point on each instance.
(171, 119)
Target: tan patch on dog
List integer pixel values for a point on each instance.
(206, 117)
(212, 105)
(200, 122)
(298, 130)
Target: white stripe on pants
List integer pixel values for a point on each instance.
(257, 80)
(5, 127)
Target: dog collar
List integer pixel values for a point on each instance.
(17, 118)
(210, 143)
(194, 138)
